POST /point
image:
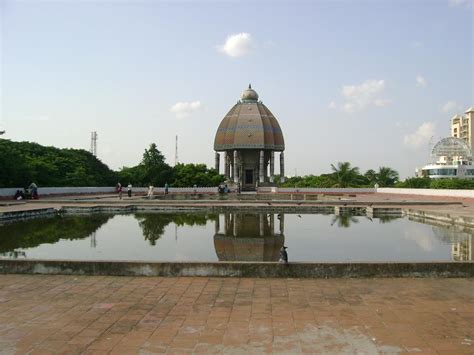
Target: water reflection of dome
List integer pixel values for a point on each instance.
(248, 237)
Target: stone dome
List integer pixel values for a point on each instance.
(249, 125)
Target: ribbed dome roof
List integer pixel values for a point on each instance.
(249, 125)
(229, 248)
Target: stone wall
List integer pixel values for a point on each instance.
(10, 192)
(239, 269)
(428, 192)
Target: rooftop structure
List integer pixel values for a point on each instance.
(451, 150)
(249, 135)
(450, 158)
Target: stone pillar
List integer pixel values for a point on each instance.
(272, 224)
(226, 223)
(262, 167)
(282, 167)
(235, 166)
(227, 165)
(217, 224)
(282, 223)
(234, 220)
(272, 166)
(218, 160)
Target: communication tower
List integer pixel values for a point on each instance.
(176, 152)
(94, 143)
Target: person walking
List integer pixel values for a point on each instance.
(129, 190)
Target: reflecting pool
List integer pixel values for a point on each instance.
(233, 237)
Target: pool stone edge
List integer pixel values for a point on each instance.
(241, 269)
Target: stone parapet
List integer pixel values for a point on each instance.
(239, 269)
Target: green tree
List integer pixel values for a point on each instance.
(386, 176)
(24, 162)
(155, 169)
(344, 175)
(195, 174)
(415, 183)
(371, 176)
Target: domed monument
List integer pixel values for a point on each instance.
(249, 135)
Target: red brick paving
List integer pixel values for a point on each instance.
(123, 315)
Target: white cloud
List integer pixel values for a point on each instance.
(359, 97)
(466, 3)
(416, 44)
(421, 136)
(237, 45)
(332, 105)
(184, 109)
(382, 102)
(421, 237)
(420, 81)
(451, 106)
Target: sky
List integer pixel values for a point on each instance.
(372, 82)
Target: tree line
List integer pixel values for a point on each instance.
(22, 163)
(345, 175)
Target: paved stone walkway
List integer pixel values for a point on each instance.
(120, 315)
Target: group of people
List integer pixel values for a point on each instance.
(223, 189)
(119, 190)
(151, 189)
(31, 192)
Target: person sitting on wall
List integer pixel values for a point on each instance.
(34, 191)
(19, 195)
(226, 189)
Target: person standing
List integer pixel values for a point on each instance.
(34, 191)
(119, 190)
(129, 190)
(166, 188)
(150, 191)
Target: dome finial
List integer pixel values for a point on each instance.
(249, 95)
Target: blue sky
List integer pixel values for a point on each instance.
(368, 82)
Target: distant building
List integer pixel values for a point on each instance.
(462, 250)
(451, 158)
(462, 126)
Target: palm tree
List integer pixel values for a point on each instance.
(371, 176)
(344, 220)
(344, 175)
(387, 176)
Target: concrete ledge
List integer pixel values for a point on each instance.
(239, 269)
(466, 221)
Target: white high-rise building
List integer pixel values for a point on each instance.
(462, 126)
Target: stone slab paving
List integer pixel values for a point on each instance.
(146, 315)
